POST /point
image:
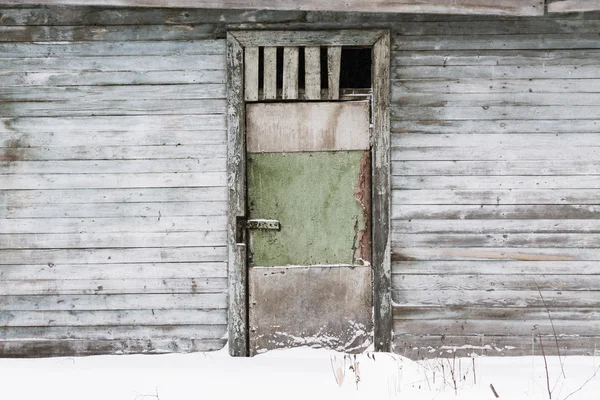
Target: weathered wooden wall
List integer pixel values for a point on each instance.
(112, 185)
(112, 178)
(495, 169)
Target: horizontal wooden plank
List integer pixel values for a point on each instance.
(108, 33)
(115, 107)
(151, 271)
(114, 256)
(90, 78)
(61, 348)
(172, 48)
(85, 196)
(570, 6)
(565, 316)
(282, 127)
(104, 318)
(496, 226)
(24, 15)
(112, 210)
(113, 240)
(496, 99)
(112, 225)
(41, 287)
(391, 19)
(494, 253)
(114, 166)
(115, 63)
(517, 282)
(493, 327)
(496, 168)
(496, 267)
(501, 57)
(493, 140)
(112, 152)
(494, 86)
(137, 16)
(97, 95)
(498, 72)
(505, 42)
(123, 332)
(348, 37)
(495, 182)
(486, 212)
(485, 112)
(107, 181)
(125, 126)
(516, 240)
(497, 197)
(82, 303)
(419, 347)
(550, 125)
(475, 298)
(497, 7)
(497, 26)
(459, 153)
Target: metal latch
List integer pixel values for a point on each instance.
(270, 224)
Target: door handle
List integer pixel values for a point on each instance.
(264, 224)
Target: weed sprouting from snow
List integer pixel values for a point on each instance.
(339, 369)
(148, 396)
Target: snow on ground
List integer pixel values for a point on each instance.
(307, 374)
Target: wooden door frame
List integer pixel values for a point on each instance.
(379, 41)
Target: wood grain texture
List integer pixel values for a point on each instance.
(115, 302)
(285, 38)
(572, 6)
(494, 133)
(251, 73)
(524, 269)
(334, 57)
(123, 271)
(309, 126)
(498, 7)
(55, 348)
(236, 210)
(143, 195)
(77, 253)
(117, 286)
(381, 203)
(75, 50)
(312, 71)
(290, 73)
(270, 73)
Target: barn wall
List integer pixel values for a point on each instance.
(496, 154)
(112, 178)
(113, 202)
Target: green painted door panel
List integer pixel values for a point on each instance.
(322, 200)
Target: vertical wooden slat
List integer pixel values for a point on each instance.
(236, 178)
(334, 57)
(312, 72)
(251, 73)
(290, 73)
(382, 290)
(270, 73)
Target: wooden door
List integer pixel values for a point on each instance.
(308, 183)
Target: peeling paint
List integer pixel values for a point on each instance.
(362, 194)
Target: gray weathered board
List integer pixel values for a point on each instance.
(494, 7)
(310, 306)
(112, 133)
(308, 126)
